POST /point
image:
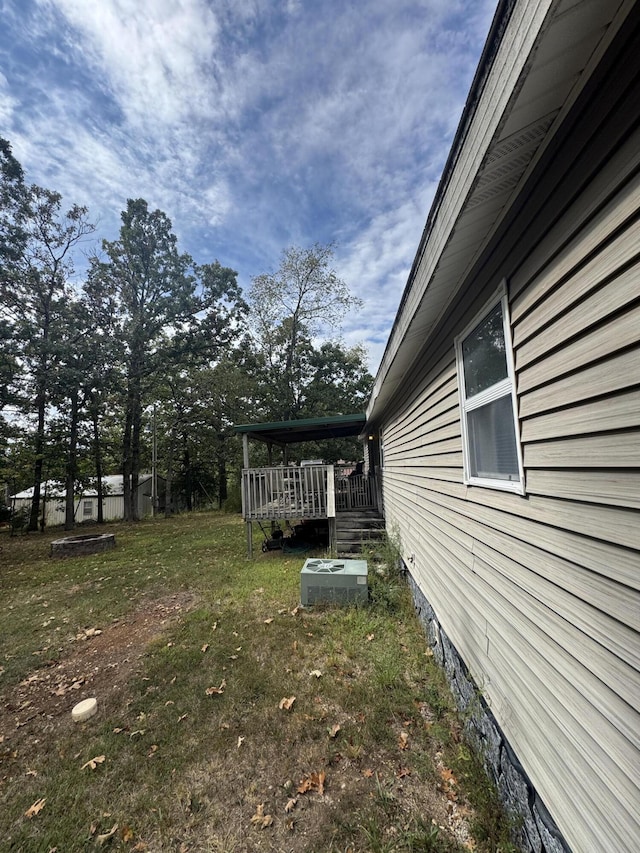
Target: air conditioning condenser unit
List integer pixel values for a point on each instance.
(336, 581)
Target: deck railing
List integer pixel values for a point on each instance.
(306, 491)
(354, 490)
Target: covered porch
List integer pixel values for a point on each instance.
(311, 490)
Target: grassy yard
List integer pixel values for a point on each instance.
(229, 719)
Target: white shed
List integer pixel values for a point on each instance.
(86, 501)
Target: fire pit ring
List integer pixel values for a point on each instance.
(75, 546)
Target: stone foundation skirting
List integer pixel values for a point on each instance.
(534, 828)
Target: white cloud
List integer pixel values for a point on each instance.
(254, 125)
(8, 104)
(154, 53)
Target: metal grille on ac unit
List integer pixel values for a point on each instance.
(339, 581)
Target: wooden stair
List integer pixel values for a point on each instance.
(357, 527)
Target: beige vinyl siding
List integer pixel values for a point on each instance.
(540, 594)
(479, 609)
(615, 488)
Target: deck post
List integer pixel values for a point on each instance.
(245, 449)
(249, 540)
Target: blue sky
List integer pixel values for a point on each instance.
(254, 124)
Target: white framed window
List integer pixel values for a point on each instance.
(490, 430)
(87, 509)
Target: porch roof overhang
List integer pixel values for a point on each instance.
(307, 429)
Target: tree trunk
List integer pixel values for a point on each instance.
(43, 516)
(97, 456)
(223, 493)
(70, 516)
(135, 457)
(186, 461)
(131, 444)
(168, 499)
(126, 460)
(39, 462)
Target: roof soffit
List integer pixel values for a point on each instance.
(542, 56)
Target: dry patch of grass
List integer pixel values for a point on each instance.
(230, 719)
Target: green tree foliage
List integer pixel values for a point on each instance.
(14, 208)
(35, 292)
(84, 365)
(167, 309)
(13, 212)
(288, 308)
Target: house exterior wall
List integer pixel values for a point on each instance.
(539, 594)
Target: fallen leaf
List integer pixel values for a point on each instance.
(448, 777)
(295, 611)
(240, 740)
(316, 672)
(205, 647)
(214, 626)
(286, 703)
(290, 824)
(295, 645)
(31, 773)
(153, 750)
(333, 731)
(182, 717)
(93, 762)
(313, 782)
(370, 637)
(117, 731)
(401, 772)
(216, 691)
(403, 740)
(36, 808)
(260, 819)
(368, 773)
(127, 834)
(291, 804)
(268, 621)
(102, 839)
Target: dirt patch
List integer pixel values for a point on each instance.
(99, 663)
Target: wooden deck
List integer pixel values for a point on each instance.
(288, 492)
(309, 491)
(304, 492)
